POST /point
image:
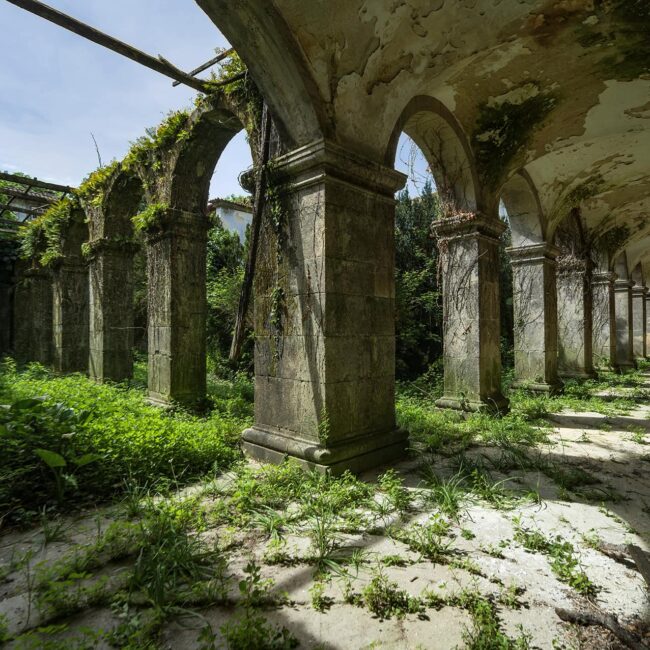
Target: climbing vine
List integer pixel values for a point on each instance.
(151, 217)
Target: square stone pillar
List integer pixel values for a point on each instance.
(70, 315)
(574, 301)
(639, 293)
(176, 259)
(647, 326)
(604, 320)
(623, 309)
(469, 257)
(111, 310)
(535, 317)
(32, 313)
(324, 314)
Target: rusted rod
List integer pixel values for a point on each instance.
(25, 196)
(86, 31)
(26, 180)
(259, 199)
(207, 64)
(14, 208)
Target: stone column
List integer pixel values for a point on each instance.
(623, 309)
(469, 251)
(111, 310)
(70, 315)
(535, 317)
(33, 333)
(8, 255)
(324, 315)
(574, 302)
(604, 320)
(639, 293)
(647, 326)
(176, 259)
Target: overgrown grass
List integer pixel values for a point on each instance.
(100, 437)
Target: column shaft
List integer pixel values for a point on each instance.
(33, 332)
(535, 317)
(604, 320)
(623, 309)
(647, 326)
(469, 251)
(574, 300)
(324, 315)
(639, 321)
(176, 259)
(70, 316)
(111, 311)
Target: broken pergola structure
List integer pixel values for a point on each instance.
(540, 105)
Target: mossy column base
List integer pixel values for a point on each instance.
(176, 258)
(575, 324)
(469, 251)
(70, 316)
(604, 321)
(623, 310)
(111, 310)
(324, 314)
(639, 293)
(32, 326)
(535, 317)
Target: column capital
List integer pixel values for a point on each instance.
(639, 290)
(533, 253)
(622, 284)
(468, 223)
(179, 223)
(567, 264)
(603, 277)
(313, 163)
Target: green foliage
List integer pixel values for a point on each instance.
(563, 560)
(126, 437)
(41, 237)
(503, 130)
(251, 631)
(226, 257)
(92, 188)
(418, 309)
(151, 217)
(147, 149)
(386, 600)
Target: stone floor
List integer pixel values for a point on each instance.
(486, 559)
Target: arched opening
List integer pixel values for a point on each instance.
(468, 241)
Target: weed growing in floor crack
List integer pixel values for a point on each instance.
(562, 557)
(431, 539)
(386, 600)
(250, 630)
(319, 601)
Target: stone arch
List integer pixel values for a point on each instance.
(439, 135)
(265, 43)
(112, 246)
(525, 212)
(178, 184)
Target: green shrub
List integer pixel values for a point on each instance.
(129, 439)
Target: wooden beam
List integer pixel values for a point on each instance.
(14, 208)
(258, 210)
(32, 198)
(208, 64)
(26, 180)
(86, 31)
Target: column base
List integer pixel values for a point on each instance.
(538, 387)
(577, 374)
(498, 404)
(355, 454)
(626, 366)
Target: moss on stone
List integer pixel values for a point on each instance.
(93, 187)
(151, 217)
(503, 130)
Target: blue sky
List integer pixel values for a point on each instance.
(57, 88)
